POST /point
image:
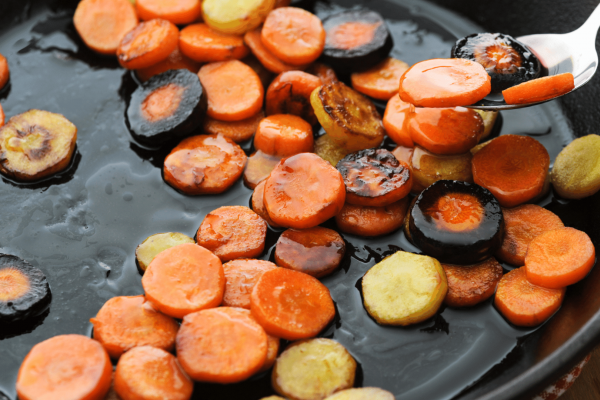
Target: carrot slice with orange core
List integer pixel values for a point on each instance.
(445, 83)
(102, 24)
(395, 121)
(540, 89)
(284, 135)
(130, 321)
(523, 303)
(222, 345)
(513, 168)
(352, 35)
(290, 92)
(241, 276)
(152, 374)
(372, 221)
(202, 43)
(469, 285)
(522, 224)
(65, 367)
(184, 279)
(4, 71)
(291, 305)
(294, 35)
(253, 40)
(179, 12)
(259, 168)
(258, 204)
(325, 73)
(238, 131)
(176, 60)
(381, 81)
(234, 90)
(147, 44)
(559, 258)
(304, 191)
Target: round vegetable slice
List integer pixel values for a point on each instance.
(469, 285)
(395, 121)
(235, 17)
(181, 12)
(284, 135)
(203, 44)
(371, 221)
(259, 168)
(147, 44)
(153, 245)
(540, 89)
(176, 60)
(381, 81)
(4, 72)
(240, 277)
(254, 40)
(364, 393)
(258, 204)
(329, 150)
(238, 131)
(272, 345)
(576, 171)
(289, 93)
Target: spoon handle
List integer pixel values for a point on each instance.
(590, 27)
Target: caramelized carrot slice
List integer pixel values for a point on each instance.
(513, 168)
(559, 258)
(540, 89)
(147, 44)
(222, 345)
(522, 224)
(254, 41)
(184, 279)
(126, 322)
(325, 73)
(304, 191)
(152, 374)
(258, 204)
(241, 276)
(176, 60)
(523, 303)
(258, 169)
(65, 367)
(180, 12)
(202, 43)
(372, 221)
(290, 92)
(445, 83)
(291, 305)
(234, 90)
(238, 131)
(395, 121)
(102, 24)
(294, 35)
(4, 72)
(233, 232)
(469, 285)
(284, 135)
(381, 81)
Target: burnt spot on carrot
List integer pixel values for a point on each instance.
(204, 44)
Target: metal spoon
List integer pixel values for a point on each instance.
(573, 52)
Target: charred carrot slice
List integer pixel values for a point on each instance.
(129, 321)
(284, 135)
(102, 24)
(269, 60)
(184, 279)
(202, 43)
(445, 83)
(48, 370)
(381, 81)
(241, 276)
(540, 89)
(258, 204)
(513, 168)
(147, 44)
(523, 303)
(222, 345)
(233, 232)
(291, 305)
(372, 221)
(325, 73)
(559, 258)
(238, 131)
(293, 35)
(4, 71)
(396, 119)
(180, 12)
(259, 168)
(469, 285)
(150, 373)
(290, 92)
(176, 60)
(234, 90)
(522, 224)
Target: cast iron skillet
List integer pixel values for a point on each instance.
(81, 227)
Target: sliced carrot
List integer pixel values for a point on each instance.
(445, 83)
(4, 71)
(102, 24)
(184, 279)
(269, 60)
(176, 60)
(469, 285)
(294, 35)
(130, 321)
(266, 76)
(304, 191)
(381, 81)
(222, 345)
(559, 258)
(540, 89)
(523, 303)
(259, 168)
(325, 73)
(395, 121)
(179, 12)
(202, 43)
(522, 224)
(290, 92)
(258, 204)
(147, 44)
(404, 154)
(65, 367)
(234, 90)
(150, 373)
(233, 232)
(513, 168)
(372, 221)
(238, 131)
(291, 305)
(273, 343)
(284, 135)
(241, 276)
(446, 130)
(2, 117)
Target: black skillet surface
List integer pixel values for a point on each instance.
(81, 228)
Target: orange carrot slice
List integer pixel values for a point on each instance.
(284, 135)
(395, 121)
(254, 41)
(241, 276)
(4, 71)
(202, 43)
(258, 204)
(540, 89)
(381, 81)
(147, 44)
(2, 117)
(469, 285)
(179, 12)
(238, 131)
(176, 60)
